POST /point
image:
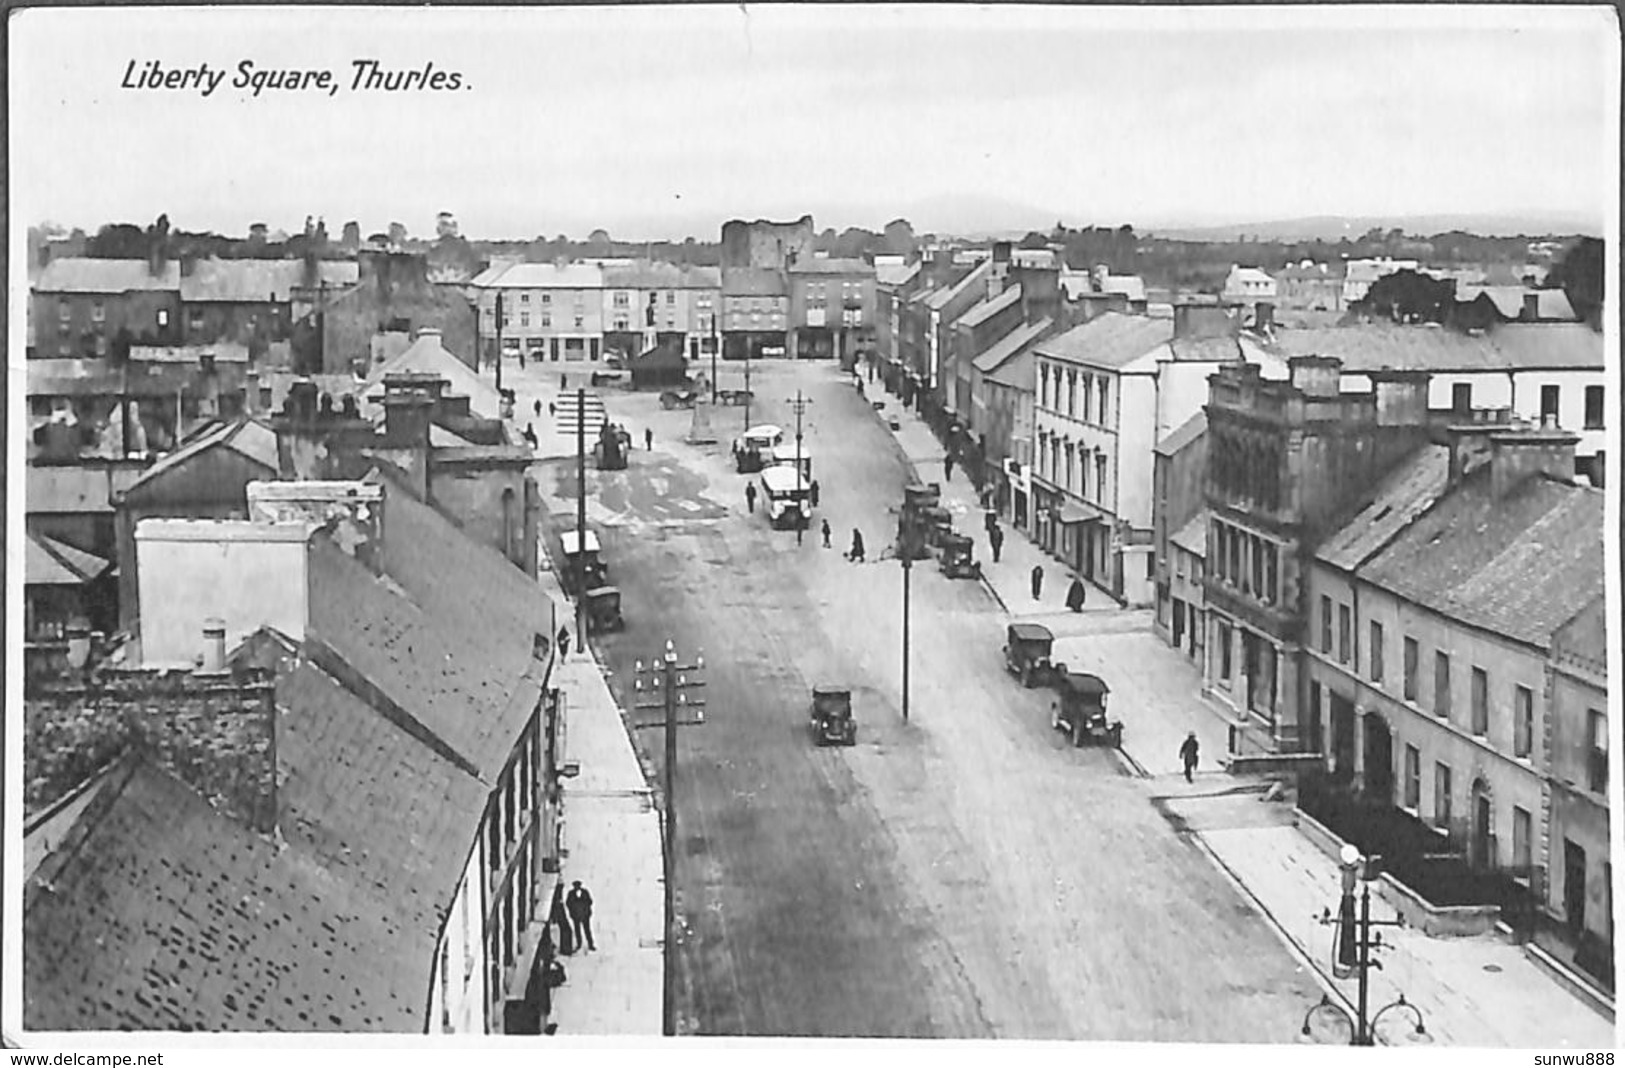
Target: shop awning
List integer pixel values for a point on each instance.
(1072, 513)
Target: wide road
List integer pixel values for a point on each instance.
(961, 875)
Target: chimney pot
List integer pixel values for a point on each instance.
(214, 647)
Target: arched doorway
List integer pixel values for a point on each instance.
(1481, 846)
(1379, 759)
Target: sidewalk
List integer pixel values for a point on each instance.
(612, 844)
(1473, 992)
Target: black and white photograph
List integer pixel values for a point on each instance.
(657, 523)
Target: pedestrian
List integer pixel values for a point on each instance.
(995, 540)
(530, 435)
(812, 492)
(537, 407)
(825, 531)
(1076, 594)
(648, 440)
(750, 497)
(948, 467)
(562, 384)
(564, 641)
(551, 408)
(557, 917)
(578, 903)
(1187, 754)
(856, 556)
(1038, 580)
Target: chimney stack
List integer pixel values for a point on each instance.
(1193, 320)
(1531, 307)
(1313, 376)
(213, 661)
(1402, 397)
(1517, 455)
(78, 644)
(300, 405)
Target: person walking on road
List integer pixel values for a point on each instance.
(995, 541)
(1038, 580)
(1076, 595)
(537, 407)
(564, 641)
(578, 903)
(948, 467)
(825, 531)
(1188, 754)
(856, 555)
(529, 435)
(750, 497)
(812, 493)
(648, 440)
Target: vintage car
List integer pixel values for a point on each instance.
(584, 568)
(603, 610)
(1080, 710)
(956, 554)
(1027, 648)
(613, 447)
(613, 372)
(832, 722)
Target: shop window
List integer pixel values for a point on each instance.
(1523, 721)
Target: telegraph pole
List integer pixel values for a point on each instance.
(499, 343)
(799, 405)
(581, 507)
(908, 569)
(747, 385)
(716, 343)
(668, 676)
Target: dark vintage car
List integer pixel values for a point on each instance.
(832, 722)
(1027, 648)
(583, 566)
(1080, 710)
(603, 610)
(957, 557)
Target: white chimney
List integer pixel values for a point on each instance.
(78, 644)
(214, 647)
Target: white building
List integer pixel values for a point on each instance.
(551, 313)
(1248, 285)
(1359, 274)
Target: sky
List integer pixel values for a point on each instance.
(661, 122)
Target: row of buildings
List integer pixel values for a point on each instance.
(313, 784)
(1380, 543)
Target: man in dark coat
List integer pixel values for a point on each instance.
(825, 531)
(1076, 594)
(578, 903)
(750, 497)
(995, 541)
(564, 641)
(812, 493)
(856, 555)
(1188, 754)
(648, 440)
(1038, 580)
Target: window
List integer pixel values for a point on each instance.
(1100, 477)
(1344, 625)
(1376, 651)
(1597, 739)
(163, 318)
(1549, 396)
(1461, 397)
(1480, 693)
(1235, 556)
(1257, 577)
(1325, 624)
(1413, 656)
(64, 311)
(1088, 395)
(524, 298)
(1523, 721)
(671, 298)
(547, 298)
(1224, 651)
(547, 320)
(578, 322)
(623, 300)
(1071, 392)
(1272, 567)
(1441, 794)
(621, 323)
(1521, 853)
(1413, 777)
(194, 319)
(98, 312)
(1593, 418)
(1105, 405)
(1441, 685)
(524, 318)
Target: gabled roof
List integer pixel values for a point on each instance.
(87, 275)
(1182, 435)
(429, 355)
(985, 309)
(244, 435)
(1515, 565)
(895, 274)
(753, 282)
(655, 274)
(942, 297)
(1110, 340)
(167, 914)
(1407, 491)
(1584, 636)
(992, 361)
(541, 276)
(1249, 274)
(832, 265)
(1018, 373)
(49, 562)
(259, 281)
(1508, 347)
(1550, 304)
(1192, 537)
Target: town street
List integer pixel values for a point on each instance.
(964, 874)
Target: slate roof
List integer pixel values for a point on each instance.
(1515, 566)
(215, 281)
(654, 274)
(1551, 304)
(222, 351)
(1512, 346)
(1407, 491)
(99, 378)
(162, 913)
(1182, 435)
(941, 298)
(994, 356)
(985, 309)
(244, 435)
(1109, 341)
(1078, 283)
(1019, 372)
(429, 355)
(832, 265)
(753, 282)
(895, 274)
(49, 562)
(1584, 636)
(1192, 537)
(77, 274)
(541, 276)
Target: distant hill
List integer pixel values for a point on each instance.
(1335, 227)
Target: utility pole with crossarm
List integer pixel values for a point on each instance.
(672, 681)
(799, 406)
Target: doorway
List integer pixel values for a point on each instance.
(1482, 851)
(1342, 710)
(1574, 887)
(1379, 759)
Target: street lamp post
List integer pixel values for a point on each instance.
(1352, 953)
(669, 677)
(499, 343)
(908, 546)
(716, 343)
(799, 405)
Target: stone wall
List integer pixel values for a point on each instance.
(215, 732)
